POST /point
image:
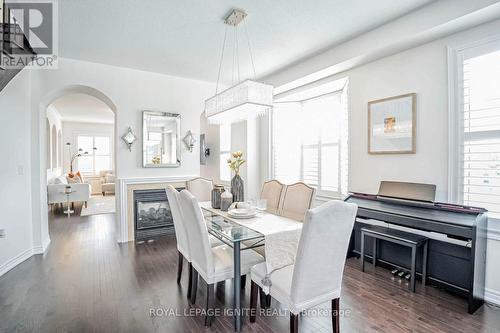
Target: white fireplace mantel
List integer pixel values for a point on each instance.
(124, 234)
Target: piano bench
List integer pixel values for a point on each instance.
(410, 240)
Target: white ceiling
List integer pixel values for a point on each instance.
(184, 37)
(83, 108)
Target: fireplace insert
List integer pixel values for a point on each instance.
(152, 214)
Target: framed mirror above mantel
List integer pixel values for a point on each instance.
(161, 142)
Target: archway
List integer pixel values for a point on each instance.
(45, 135)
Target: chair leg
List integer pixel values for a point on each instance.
(263, 299)
(190, 280)
(335, 315)
(243, 282)
(294, 323)
(268, 300)
(194, 286)
(86, 204)
(103, 193)
(210, 305)
(179, 267)
(254, 291)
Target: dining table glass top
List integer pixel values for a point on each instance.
(227, 230)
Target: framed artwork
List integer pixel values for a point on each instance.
(392, 125)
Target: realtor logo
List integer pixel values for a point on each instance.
(30, 34)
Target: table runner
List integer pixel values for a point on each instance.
(281, 238)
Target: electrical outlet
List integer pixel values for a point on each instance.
(2, 233)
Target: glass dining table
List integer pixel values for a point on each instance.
(233, 234)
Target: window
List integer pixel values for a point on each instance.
(477, 144)
(99, 154)
(225, 151)
(309, 141)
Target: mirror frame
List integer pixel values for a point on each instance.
(177, 138)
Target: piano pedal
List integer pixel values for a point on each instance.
(401, 274)
(408, 276)
(394, 271)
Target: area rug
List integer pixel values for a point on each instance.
(99, 205)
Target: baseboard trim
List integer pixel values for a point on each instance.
(16, 261)
(492, 296)
(24, 255)
(41, 249)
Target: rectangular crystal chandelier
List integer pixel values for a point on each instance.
(240, 102)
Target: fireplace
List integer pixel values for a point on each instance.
(152, 214)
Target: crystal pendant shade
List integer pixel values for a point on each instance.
(240, 102)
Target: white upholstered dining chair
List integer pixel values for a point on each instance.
(201, 188)
(181, 235)
(213, 264)
(272, 192)
(316, 275)
(298, 198)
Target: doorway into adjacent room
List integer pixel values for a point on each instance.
(80, 156)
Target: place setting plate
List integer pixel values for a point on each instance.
(242, 213)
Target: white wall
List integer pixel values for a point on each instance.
(15, 189)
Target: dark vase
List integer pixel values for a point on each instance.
(216, 193)
(237, 189)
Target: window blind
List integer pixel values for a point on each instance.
(480, 162)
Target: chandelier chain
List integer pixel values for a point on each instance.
(220, 62)
(250, 50)
(237, 53)
(234, 57)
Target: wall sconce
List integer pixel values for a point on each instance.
(189, 141)
(129, 138)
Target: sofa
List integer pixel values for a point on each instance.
(57, 186)
(107, 182)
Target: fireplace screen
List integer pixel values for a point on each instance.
(152, 214)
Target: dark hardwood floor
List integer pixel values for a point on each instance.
(86, 282)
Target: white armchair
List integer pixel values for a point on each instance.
(107, 181)
(201, 188)
(272, 191)
(298, 198)
(56, 188)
